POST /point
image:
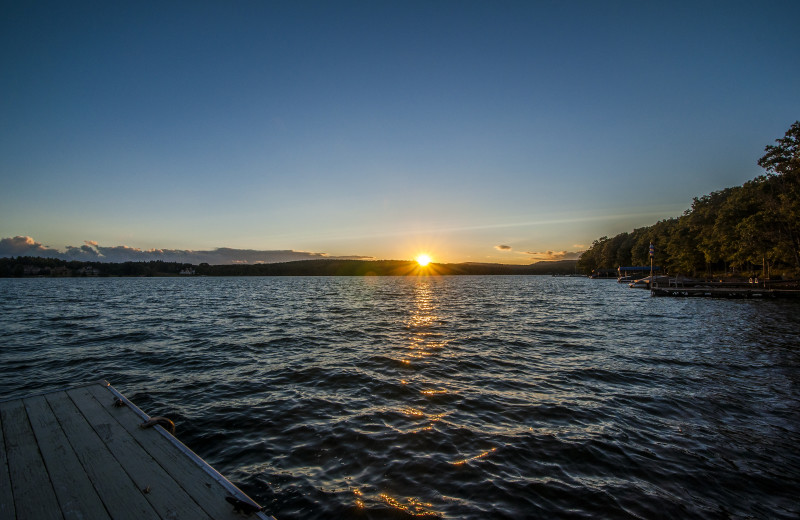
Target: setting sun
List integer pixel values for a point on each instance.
(423, 260)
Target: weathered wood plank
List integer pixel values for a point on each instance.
(121, 496)
(206, 491)
(76, 495)
(94, 461)
(34, 497)
(6, 498)
(165, 495)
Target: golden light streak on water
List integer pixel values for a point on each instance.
(358, 494)
(415, 507)
(476, 457)
(413, 412)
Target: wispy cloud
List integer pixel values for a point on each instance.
(503, 247)
(554, 255)
(93, 251)
(443, 228)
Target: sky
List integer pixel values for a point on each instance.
(497, 131)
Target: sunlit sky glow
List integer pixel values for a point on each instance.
(477, 131)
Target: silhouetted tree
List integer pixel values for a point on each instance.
(782, 163)
(741, 226)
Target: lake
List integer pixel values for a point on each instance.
(441, 397)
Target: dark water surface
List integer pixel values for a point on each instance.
(454, 397)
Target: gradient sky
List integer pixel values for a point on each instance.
(382, 128)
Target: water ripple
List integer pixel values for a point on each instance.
(457, 397)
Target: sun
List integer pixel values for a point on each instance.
(423, 260)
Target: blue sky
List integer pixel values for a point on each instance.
(381, 129)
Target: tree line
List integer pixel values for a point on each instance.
(23, 266)
(741, 230)
(54, 267)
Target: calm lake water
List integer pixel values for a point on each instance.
(452, 397)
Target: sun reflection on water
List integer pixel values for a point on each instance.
(422, 322)
(426, 338)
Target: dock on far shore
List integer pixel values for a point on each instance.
(81, 453)
(722, 291)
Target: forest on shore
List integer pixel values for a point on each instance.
(742, 230)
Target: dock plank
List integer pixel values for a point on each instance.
(165, 495)
(6, 497)
(34, 497)
(195, 480)
(71, 454)
(76, 495)
(121, 496)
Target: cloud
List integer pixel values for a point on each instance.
(25, 246)
(84, 252)
(93, 251)
(554, 255)
(502, 247)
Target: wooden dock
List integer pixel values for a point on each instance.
(725, 292)
(73, 454)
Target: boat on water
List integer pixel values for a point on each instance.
(644, 283)
(663, 281)
(632, 273)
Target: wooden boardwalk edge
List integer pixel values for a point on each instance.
(207, 468)
(72, 454)
(177, 459)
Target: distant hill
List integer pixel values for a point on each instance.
(382, 268)
(556, 266)
(34, 266)
(543, 267)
